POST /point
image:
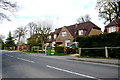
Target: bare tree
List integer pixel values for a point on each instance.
(82, 19)
(5, 7)
(19, 33)
(32, 28)
(44, 29)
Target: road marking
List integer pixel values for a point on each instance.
(25, 60)
(8, 55)
(70, 72)
(21, 59)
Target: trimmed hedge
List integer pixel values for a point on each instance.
(59, 49)
(102, 40)
(70, 50)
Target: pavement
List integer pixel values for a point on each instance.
(30, 65)
(73, 57)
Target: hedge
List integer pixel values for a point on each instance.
(59, 49)
(70, 50)
(102, 40)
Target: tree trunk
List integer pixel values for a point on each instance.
(42, 45)
(18, 44)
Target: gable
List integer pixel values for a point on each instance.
(115, 22)
(67, 37)
(94, 32)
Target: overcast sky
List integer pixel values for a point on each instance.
(60, 12)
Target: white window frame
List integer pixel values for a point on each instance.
(80, 32)
(66, 43)
(112, 29)
(55, 36)
(64, 34)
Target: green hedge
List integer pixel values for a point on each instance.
(102, 40)
(59, 49)
(70, 50)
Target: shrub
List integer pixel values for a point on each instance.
(70, 50)
(59, 49)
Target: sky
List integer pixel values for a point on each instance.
(59, 12)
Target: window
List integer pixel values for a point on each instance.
(112, 29)
(64, 34)
(55, 36)
(80, 32)
(67, 43)
(49, 37)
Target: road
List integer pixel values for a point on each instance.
(20, 65)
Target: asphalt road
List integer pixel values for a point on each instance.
(20, 65)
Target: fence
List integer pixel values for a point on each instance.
(105, 50)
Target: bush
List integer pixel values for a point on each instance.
(102, 40)
(59, 54)
(93, 53)
(59, 49)
(70, 50)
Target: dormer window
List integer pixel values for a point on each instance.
(55, 36)
(64, 34)
(80, 32)
(112, 29)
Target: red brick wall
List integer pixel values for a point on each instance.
(117, 28)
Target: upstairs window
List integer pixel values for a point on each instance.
(112, 29)
(64, 34)
(80, 32)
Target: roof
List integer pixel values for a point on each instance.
(83, 26)
(114, 22)
(57, 31)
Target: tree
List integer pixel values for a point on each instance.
(9, 41)
(19, 33)
(7, 7)
(34, 40)
(1, 41)
(108, 10)
(82, 19)
(42, 31)
(32, 28)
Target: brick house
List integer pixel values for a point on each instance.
(113, 26)
(51, 40)
(67, 34)
(24, 47)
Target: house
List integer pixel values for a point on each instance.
(24, 47)
(67, 34)
(51, 40)
(113, 26)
